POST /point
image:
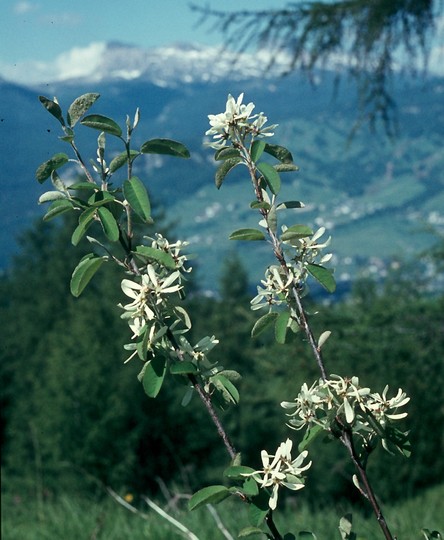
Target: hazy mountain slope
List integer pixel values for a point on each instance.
(373, 195)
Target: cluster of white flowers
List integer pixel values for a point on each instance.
(174, 249)
(345, 400)
(280, 470)
(146, 295)
(236, 123)
(308, 247)
(275, 287)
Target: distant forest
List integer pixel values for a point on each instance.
(71, 411)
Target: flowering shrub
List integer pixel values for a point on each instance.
(154, 284)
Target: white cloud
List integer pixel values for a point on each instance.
(23, 7)
(78, 62)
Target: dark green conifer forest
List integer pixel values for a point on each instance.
(74, 416)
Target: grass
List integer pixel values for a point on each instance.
(74, 517)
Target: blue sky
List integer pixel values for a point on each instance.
(33, 30)
(35, 33)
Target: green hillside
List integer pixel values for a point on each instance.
(377, 197)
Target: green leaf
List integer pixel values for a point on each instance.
(263, 323)
(349, 412)
(109, 224)
(57, 208)
(247, 234)
(165, 147)
(323, 275)
(345, 528)
(281, 327)
(260, 204)
(431, 535)
(306, 535)
(84, 272)
(45, 169)
(226, 387)
(250, 531)
(161, 257)
(323, 338)
(272, 219)
(257, 149)
(225, 153)
(136, 194)
(67, 138)
(250, 487)
(102, 123)
(183, 316)
(77, 186)
(290, 204)
(99, 198)
(224, 169)
(271, 176)
(51, 196)
(52, 107)
(121, 159)
(183, 368)
(235, 472)
(187, 397)
(285, 167)
(79, 107)
(296, 232)
(154, 376)
(259, 508)
(208, 495)
(279, 152)
(310, 435)
(85, 220)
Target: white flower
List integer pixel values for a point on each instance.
(174, 249)
(282, 470)
(380, 405)
(236, 121)
(146, 295)
(340, 401)
(258, 124)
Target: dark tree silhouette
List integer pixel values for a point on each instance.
(368, 39)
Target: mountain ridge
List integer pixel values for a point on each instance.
(374, 196)
(171, 65)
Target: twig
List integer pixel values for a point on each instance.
(219, 523)
(347, 440)
(279, 254)
(126, 504)
(170, 519)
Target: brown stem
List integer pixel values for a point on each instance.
(206, 400)
(279, 254)
(82, 163)
(347, 440)
(309, 333)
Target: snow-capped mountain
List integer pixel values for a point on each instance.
(177, 64)
(169, 66)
